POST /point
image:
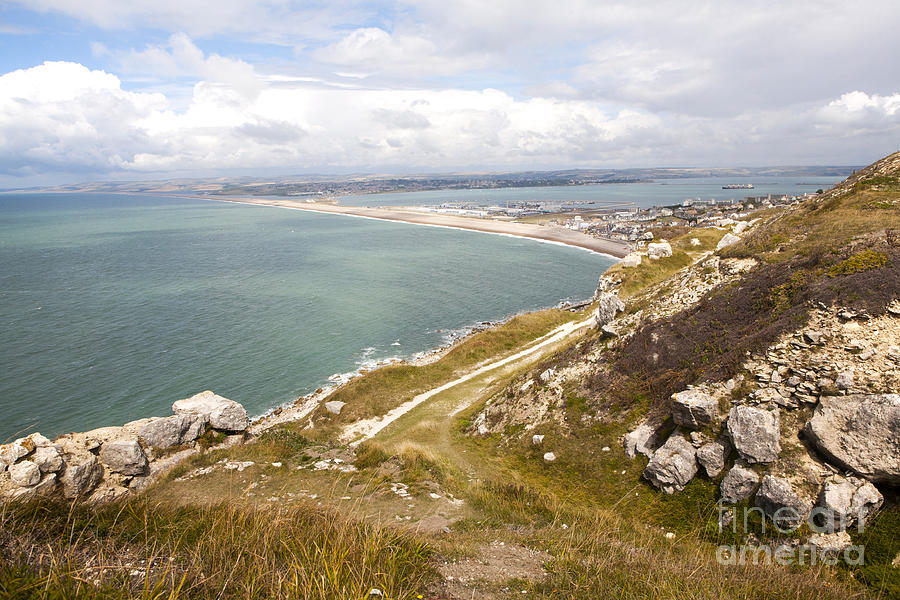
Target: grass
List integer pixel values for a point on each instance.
(385, 388)
(603, 528)
(650, 272)
(153, 550)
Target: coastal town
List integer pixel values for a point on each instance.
(627, 223)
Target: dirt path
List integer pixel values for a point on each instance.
(357, 432)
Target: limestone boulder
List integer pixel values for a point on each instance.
(608, 306)
(738, 484)
(81, 473)
(335, 406)
(712, 456)
(694, 409)
(10, 453)
(643, 440)
(755, 433)
(124, 456)
(777, 499)
(845, 501)
(673, 465)
(729, 239)
(25, 473)
(171, 431)
(631, 260)
(657, 250)
(221, 413)
(48, 459)
(859, 432)
(830, 544)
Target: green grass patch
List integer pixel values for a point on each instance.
(383, 389)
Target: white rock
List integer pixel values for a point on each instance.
(830, 543)
(124, 456)
(755, 433)
(48, 459)
(549, 457)
(10, 453)
(859, 432)
(673, 465)
(844, 380)
(25, 473)
(537, 440)
(220, 413)
(335, 406)
(657, 250)
(643, 440)
(738, 484)
(631, 260)
(694, 409)
(82, 474)
(728, 240)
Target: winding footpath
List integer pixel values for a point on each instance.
(360, 431)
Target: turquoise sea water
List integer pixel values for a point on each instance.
(643, 195)
(112, 307)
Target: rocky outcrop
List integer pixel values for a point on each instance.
(729, 239)
(755, 433)
(859, 432)
(105, 463)
(673, 465)
(846, 501)
(657, 250)
(82, 474)
(221, 413)
(777, 499)
(694, 409)
(48, 459)
(608, 306)
(166, 432)
(334, 406)
(738, 484)
(631, 260)
(124, 456)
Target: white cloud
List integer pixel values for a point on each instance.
(63, 117)
(858, 103)
(181, 57)
(399, 53)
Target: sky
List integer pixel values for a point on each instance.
(152, 89)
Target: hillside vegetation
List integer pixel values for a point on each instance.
(514, 483)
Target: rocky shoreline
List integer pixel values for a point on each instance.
(106, 463)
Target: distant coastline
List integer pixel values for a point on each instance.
(556, 235)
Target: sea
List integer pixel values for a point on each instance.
(114, 306)
(645, 194)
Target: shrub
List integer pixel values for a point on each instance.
(862, 261)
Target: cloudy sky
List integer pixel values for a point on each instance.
(145, 89)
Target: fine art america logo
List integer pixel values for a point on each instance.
(829, 543)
